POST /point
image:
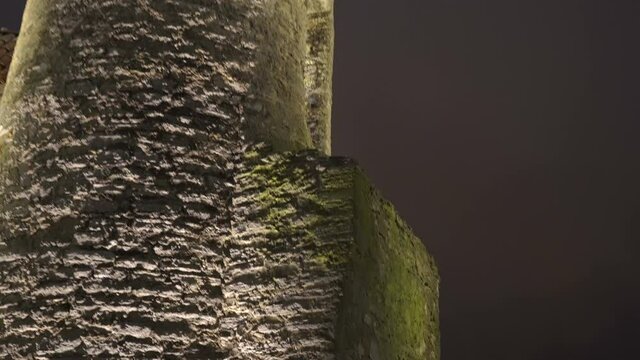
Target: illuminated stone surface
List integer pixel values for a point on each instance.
(160, 194)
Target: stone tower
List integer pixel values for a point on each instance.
(166, 192)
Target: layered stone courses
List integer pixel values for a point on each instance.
(282, 290)
(297, 277)
(147, 209)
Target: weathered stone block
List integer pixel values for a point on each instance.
(365, 283)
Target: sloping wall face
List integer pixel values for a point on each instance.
(390, 307)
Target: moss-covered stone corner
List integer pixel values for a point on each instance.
(302, 198)
(324, 213)
(390, 306)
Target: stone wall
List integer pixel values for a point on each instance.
(314, 264)
(158, 197)
(390, 307)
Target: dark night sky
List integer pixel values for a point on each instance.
(506, 133)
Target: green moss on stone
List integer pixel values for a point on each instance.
(390, 308)
(339, 222)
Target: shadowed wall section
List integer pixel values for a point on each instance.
(7, 44)
(319, 71)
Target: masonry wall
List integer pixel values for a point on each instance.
(158, 194)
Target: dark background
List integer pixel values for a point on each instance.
(507, 134)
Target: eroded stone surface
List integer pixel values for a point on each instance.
(390, 307)
(253, 285)
(141, 215)
(313, 265)
(281, 286)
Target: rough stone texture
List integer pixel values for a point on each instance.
(7, 44)
(292, 229)
(147, 209)
(390, 306)
(304, 230)
(319, 223)
(239, 61)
